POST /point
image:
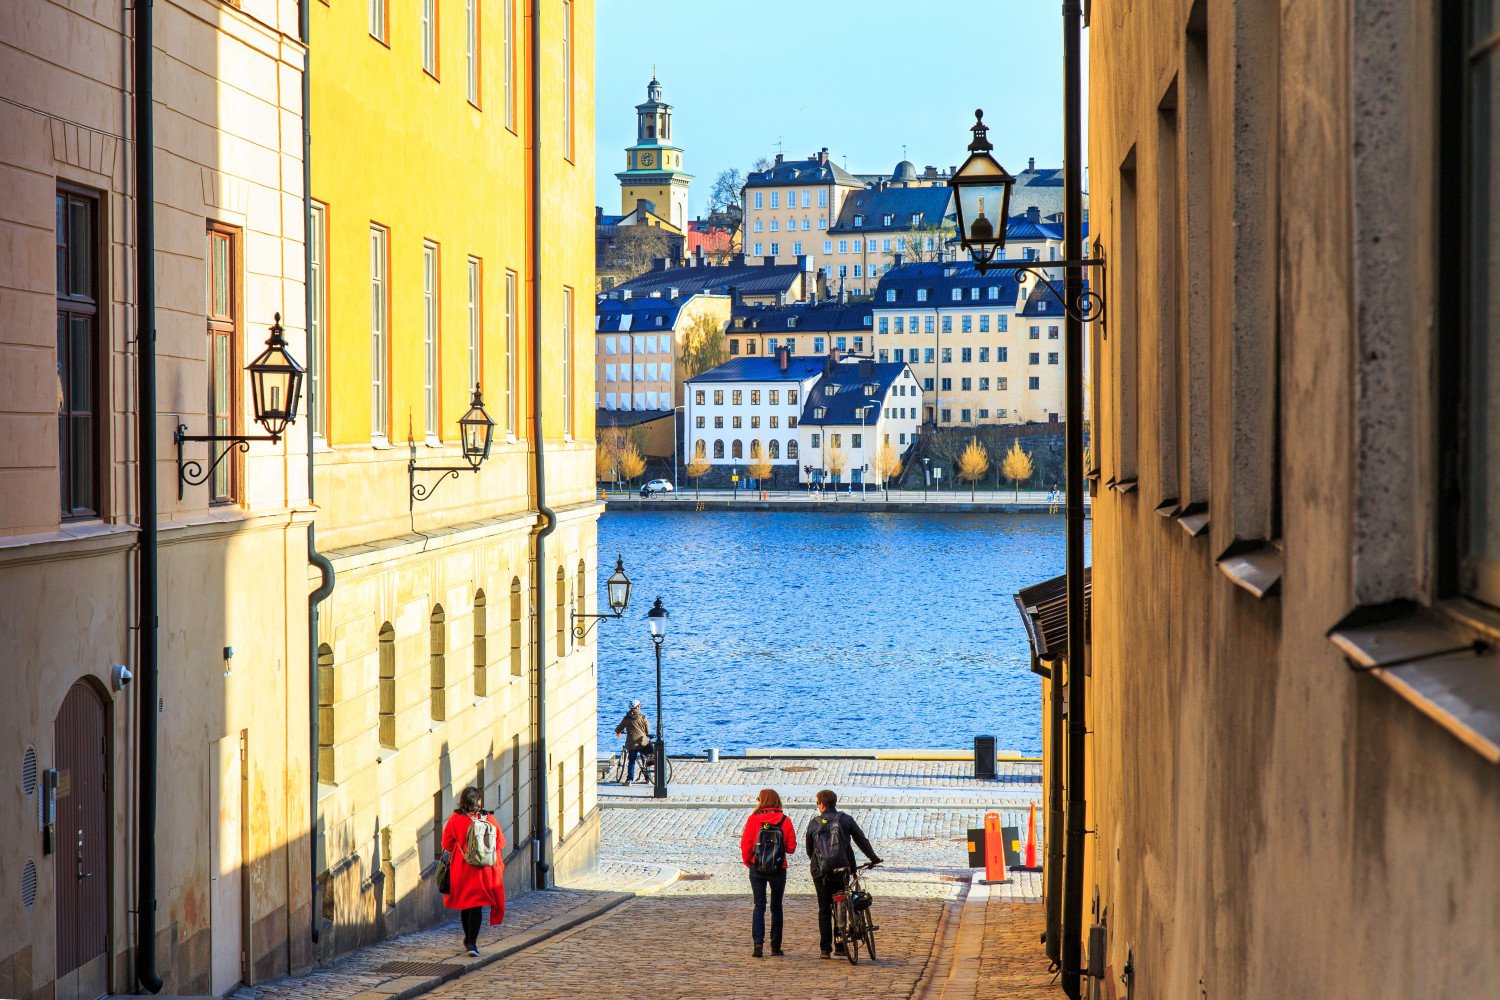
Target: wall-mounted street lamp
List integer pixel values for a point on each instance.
(981, 199)
(656, 621)
(475, 431)
(275, 391)
(618, 589)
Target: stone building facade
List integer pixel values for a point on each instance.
(231, 845)
(1294, 766)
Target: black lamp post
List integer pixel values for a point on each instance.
(475, 430)
(618, 589)
(656, 621)
(275, 391)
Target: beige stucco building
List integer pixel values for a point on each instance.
(231, 839)
(790, 205)
(1294, 759)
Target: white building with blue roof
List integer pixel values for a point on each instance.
(856, 406)
(749, 406)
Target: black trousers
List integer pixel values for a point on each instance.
(826, 887)
(758, 886)
(471, 919)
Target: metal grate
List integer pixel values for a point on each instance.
(694, 876)
(28, 771)
(757, 770)
(419, 968)
(28, 884)
(799, 767)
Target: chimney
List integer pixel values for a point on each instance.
(866, 368)
(778, 159)
(598, 214)
(673, 292)
(663, 263)
(834, 354)
(736, 301)
(843, 295)
(783, 357)
(1033, 214)
(823, 156)
(1031, 163)
(804, 262)
(739, 259)
(768, 260)
(698, 252)
(897, 258)
(625, 295)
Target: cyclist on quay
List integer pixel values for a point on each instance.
(831, 838)
(637, 730)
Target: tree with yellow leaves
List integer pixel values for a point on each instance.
(973, 464)
(835, 460)
(1017, 466)
(759, 467)
(697, 469)
(888, 465)
(631, 463)
(607, 452)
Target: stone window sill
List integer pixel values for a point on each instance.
(1432, 659)
(1194, 518)
(1254, 566)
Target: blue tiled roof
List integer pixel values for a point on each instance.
(929, 204)
(796, 316)
(940, 280)
(643, 313)
(762, 368)
(756, 279)
(808, 171)
(1041, 302)
(841, 392)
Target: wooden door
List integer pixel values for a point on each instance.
(227, 811)
(81, 861)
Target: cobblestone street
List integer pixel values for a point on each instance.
(667, 914)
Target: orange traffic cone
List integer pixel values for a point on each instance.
(1031, 864)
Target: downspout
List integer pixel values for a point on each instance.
(145, 344)
(1053, 870)
(314, 557)
(1077, 826)
(539, 812)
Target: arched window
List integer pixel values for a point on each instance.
(755, 449)
(387, 685)
(791, 448)
(560, 604)
(718, 449)
(580, 596)
(481, 646)
(773, 449)
(515, 626)
(699, 448)
(439, 662)
(737, 449)
(325, 711)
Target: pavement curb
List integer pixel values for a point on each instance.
(527, 939)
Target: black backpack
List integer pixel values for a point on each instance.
(769, 857)
(832, 852)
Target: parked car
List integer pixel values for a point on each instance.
(656, 486)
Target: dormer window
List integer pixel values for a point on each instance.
(890, 295)
(869, 389)
(791, 321)
(819, 412)
(887, 219)
(859, 221)
(916, 218)
(867, 321)
(921, 295)
(832, 390)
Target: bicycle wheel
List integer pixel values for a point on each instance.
(843, 917)
(867, 931)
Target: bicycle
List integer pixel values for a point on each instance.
(853, 923)
(646, 763)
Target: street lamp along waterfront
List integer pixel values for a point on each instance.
(475, 430)
(617, 588)
(275, 392)
(656, 621)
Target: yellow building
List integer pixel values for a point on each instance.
(653, 166)
(790, 206)
(452, 232)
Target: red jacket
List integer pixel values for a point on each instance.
(470, 886)
(752, 833)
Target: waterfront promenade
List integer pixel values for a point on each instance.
(667, 913)
(945, 501)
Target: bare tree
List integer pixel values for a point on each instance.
(631, 252)
(724, 196)
(704, 346)
(761, 163)
(922, 242)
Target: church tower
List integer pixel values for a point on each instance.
(653, 166)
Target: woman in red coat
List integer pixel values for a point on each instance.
(767, 818)
(473, 886)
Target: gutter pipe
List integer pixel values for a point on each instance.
(146, 973)
(539, 812)
(1077, 826)
(314, 557)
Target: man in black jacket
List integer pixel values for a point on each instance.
(830, 875)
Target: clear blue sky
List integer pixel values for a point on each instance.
(860, 78)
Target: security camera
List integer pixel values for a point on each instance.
(121, 676)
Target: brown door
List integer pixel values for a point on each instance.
(81, 861)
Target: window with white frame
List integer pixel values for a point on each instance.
(471, 50)
(430, 339)
(379, 353)
(429, 36)
(377, 19)
(512, 396)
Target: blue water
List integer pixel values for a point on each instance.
(827, 630)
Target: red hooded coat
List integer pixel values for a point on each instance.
(470, 886)
(752, 833)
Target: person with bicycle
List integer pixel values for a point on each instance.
(764, 845)
(637, 730)
(831, 838)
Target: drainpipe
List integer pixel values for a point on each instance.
(1077, 827)
(314, 557)
(539, 812)
(145, 344)
(1053, 871)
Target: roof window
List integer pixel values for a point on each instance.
(859, 220)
